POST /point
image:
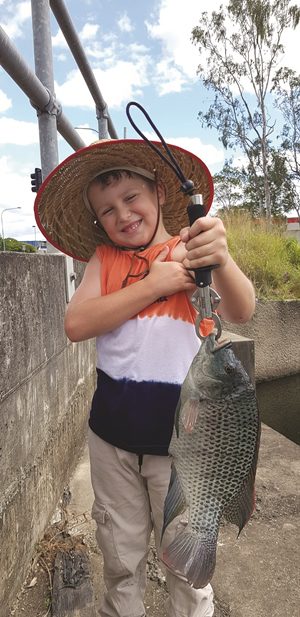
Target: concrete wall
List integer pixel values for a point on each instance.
(275, 329)
(293, 229)
(46, 384)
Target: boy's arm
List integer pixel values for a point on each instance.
(89, 314)
(237, 293)
(206, 244)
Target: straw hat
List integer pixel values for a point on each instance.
(60, 210)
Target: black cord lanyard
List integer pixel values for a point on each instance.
(186, 186)
(196, 208)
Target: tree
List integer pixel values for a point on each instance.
(228, 185)
(282, 193)
(11, 244)
(242, 48)
(287, 90)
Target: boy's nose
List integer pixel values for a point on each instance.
(124, 213)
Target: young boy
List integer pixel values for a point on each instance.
(119, 206)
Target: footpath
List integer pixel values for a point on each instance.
(257, 574)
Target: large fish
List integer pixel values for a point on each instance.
(215, 449)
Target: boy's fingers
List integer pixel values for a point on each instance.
(184, 234)
(199, 225)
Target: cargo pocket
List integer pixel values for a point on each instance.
(106, 540)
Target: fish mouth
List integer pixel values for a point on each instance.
(224, 344)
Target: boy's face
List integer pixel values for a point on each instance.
(127, 209)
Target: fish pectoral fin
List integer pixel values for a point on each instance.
(189, 414)
(193, 556)
(175, 502)
(241, 506)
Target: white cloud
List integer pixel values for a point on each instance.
(88, 31)
(15, 182)
(209, 154)
(18, 132)
(5, 102)
(18, 14)
(206, 152)
(104, 50)
(168, 78)
(125, 24)
(137, 49)
(172, 27)
(291, 43)
(117, 84)
(61, 57)
(59, 40)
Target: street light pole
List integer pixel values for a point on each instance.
(2, 226)
(34, 227)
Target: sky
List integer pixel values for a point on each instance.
(139, 51)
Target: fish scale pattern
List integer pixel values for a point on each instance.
(220, 452)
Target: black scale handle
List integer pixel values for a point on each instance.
(196, 211)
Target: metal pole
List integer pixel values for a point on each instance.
(16, 67)
(63, 18)
(34, 229)
(44, 71)
(2, 225)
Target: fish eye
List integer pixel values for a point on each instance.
(229, 369)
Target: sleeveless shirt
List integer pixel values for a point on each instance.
(141, 364)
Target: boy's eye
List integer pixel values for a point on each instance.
(131, 197)
(108, 211)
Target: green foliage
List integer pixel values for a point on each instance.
(241, 46)
(228, 186)
(287, 90)
(17, 247)
(269, 258)
(237, 187)
(283, 197)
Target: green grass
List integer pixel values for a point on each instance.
(265, 255)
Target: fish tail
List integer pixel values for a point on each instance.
(192, 556)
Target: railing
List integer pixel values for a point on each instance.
(39, 86)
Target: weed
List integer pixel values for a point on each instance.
(269, 258)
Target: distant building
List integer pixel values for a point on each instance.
(40, 245)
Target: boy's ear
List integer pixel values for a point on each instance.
(161, 192)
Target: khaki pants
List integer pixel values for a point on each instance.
(128, 505)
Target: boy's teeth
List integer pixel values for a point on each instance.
(132, 227)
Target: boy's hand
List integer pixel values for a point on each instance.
(168, 277)
(205, 243)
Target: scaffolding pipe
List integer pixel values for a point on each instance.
(63, 18)
(39, 97)
(47, 117)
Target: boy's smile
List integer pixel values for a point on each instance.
(132, 227)
(127, 209)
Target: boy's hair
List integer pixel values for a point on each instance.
(112, 176)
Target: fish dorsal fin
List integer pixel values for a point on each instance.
(189, 414)
(175, 502)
